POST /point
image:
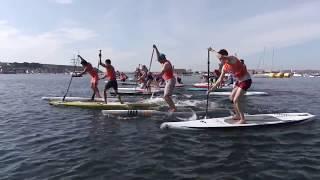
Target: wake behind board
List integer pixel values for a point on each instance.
(103, 106)
(184, 112)
(144, 113)
(200, 85)
(248, 93)
(251, 121)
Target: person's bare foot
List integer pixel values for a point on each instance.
(241, 121)
(235, 118)
(173, 110)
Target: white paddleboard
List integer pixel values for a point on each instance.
(177, 85)
(205, 85)
(248, 93)
(251, 120)
(137, 89)
(127, 83)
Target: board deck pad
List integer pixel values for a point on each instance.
(254, 119)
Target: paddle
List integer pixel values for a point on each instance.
(74, 69)
(151, 60)
(150, 68)
(99, 59)
(208, 84)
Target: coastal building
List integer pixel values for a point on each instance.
(183, 71)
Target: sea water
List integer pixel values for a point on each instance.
(39, 141)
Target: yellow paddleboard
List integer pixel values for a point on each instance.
(104, 106)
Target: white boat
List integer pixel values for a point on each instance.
(251, 121)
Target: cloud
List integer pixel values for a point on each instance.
(127, 34)
(47, 47)
(282, 28)
(190, 33)
(63, 1)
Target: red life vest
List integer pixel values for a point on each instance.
(238, 69)
(169, 73)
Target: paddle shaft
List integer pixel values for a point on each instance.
(208, 83)
(74, 69)
(151, 60)
(150, 68)
(67, 88)
(99, 60)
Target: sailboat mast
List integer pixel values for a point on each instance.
(272, 60)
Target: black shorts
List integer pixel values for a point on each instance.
(149, 78)
(112, 84)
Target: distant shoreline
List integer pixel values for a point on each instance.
(37, 68)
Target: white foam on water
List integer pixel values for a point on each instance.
(189, 102)
(157, 100)
(212, 104)
(191, 118)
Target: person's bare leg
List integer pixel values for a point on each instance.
(149, 86)
(118, 95)
(94, 92)
(237, 102)
(231, 97)
(105, 95)
(97, 92)
(170, 103)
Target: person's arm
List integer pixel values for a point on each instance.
(81, 58)
(217, 83)
(157, 51)
(85, 69)
(103, 65)
(80, 74)
(100, 62)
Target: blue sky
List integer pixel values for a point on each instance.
(52, 31)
